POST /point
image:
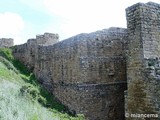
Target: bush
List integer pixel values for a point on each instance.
(32, 92)
(6, 53)
(42, 100)
(29, 90)
(8, 64)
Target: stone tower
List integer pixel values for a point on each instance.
(143, 71)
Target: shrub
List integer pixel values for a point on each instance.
(29, 90)
(42, 100)
(6, 53)
(8, 64)
(32, 92)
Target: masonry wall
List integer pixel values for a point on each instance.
(6, 42)
(27, 52)
(87, 72)
(143, 23)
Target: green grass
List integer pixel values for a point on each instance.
(22, 97)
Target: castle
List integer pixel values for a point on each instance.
(109, 74)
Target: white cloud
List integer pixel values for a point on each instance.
(87, 15)
(11, 25)
(69, 17)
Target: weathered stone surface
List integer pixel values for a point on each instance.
(27, 52)
(90, 72)
(143, 22)
(6, 42)
(87, 72)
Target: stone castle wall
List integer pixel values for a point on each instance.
(90, 72)
(6, 42)
(84, 72)
(27, 52)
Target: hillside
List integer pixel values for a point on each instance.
(22, 97)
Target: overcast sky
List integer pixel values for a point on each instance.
(24, 19)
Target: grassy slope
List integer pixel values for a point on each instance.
(22, 98)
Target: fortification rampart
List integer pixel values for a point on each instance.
(6, 42)
(84, 72)
(88, 72)
(27, 52)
